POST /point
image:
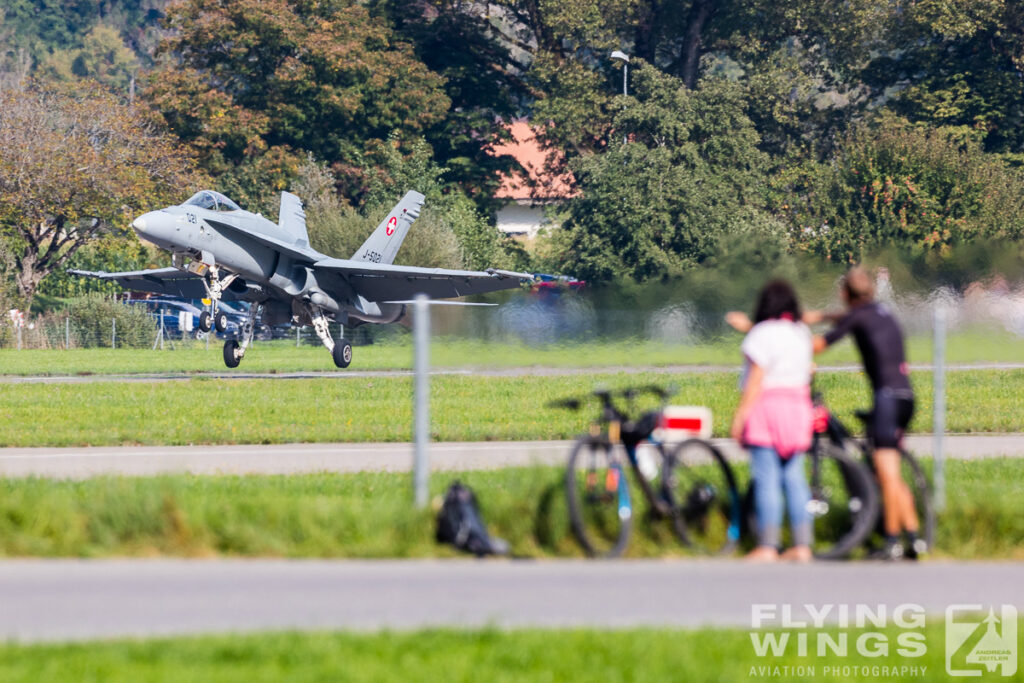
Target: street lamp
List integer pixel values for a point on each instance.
(619, 54)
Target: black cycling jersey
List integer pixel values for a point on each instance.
(880, 342)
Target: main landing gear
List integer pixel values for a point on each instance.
(215, 286)
(235, 350)
(341, 352)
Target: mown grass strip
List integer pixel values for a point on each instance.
(370, 515)
(284, 356)
(480, 655)
(379, 409)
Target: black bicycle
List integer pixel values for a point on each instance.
(692, 485)
(911, 470)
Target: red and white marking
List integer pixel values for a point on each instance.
(679, 423)
(392, 224)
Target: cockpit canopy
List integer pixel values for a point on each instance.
(214, 201)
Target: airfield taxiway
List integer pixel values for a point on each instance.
(74, 599)
(78, 463)
(532, 371)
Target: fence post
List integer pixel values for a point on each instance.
(939, 401)
(113, 333)
(298, 331)
(421, 399)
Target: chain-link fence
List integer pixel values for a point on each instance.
(985, 324)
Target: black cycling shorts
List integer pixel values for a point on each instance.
(890, 417)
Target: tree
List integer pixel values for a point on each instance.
(892, 183)
(241, 78)
(74, 168)
(103, 58)
(460, 41)
(659, 204)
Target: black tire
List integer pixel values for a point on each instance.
(342, 354)
(699, 484)
(845, 501)
(231, 359)
(593, 484)
(922, 492)
(220, 321)
(204, 321)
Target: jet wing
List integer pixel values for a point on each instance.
(383, 282)
(168, 281)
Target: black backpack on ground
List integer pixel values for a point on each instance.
(460, 524)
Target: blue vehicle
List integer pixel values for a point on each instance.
(171, 311)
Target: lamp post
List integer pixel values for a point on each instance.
(619, 54)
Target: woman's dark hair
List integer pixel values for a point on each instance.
(777, 298)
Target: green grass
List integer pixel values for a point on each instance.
(464, 408)
(370, 515)
(283, 356)
(455, 655)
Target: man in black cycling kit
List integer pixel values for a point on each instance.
(880, 342)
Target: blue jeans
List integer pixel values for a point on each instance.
(771, 476)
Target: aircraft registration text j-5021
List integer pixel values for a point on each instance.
(372, 256)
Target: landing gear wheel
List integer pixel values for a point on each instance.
(220, 321)
(231, 357)
(342, 354)
(204, 321)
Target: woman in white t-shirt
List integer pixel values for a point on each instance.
(774, 418)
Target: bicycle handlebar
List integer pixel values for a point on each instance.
(607, 396)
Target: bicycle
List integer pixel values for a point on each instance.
(846, 505)
(597, 489)
(911, 471)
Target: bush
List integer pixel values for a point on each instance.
(894, 184)
(92, 319)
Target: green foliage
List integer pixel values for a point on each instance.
(244, 77)
(75, 166)
(689, 175)
(893, 183)
(110, 253)
(93, 318)
(459, 43)
(103, 57)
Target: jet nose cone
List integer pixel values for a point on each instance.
(139, 224)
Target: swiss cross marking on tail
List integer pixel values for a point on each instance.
(392, 223)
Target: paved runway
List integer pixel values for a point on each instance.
(483, 372)
(69, 599)
(79, 463)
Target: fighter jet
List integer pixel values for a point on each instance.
(222, 252)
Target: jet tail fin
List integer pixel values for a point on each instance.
(382, 246)
(292, 219)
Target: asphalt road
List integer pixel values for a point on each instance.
(77, 463)
(71, 599)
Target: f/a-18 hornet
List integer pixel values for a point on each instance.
(221, 252)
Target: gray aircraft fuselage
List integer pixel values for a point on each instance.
(273, 276)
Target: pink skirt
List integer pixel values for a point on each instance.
(782, 418)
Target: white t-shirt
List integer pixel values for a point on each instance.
(782, 349)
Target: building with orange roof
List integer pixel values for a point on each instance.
(526, 194)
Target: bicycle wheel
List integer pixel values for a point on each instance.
(922, 492)
(598, 495)
(844, 503)
(699, 484)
